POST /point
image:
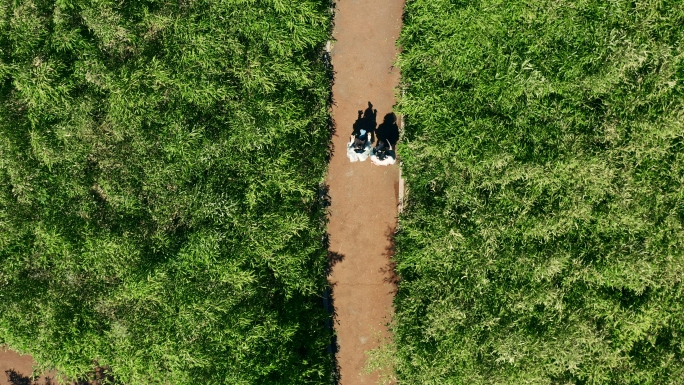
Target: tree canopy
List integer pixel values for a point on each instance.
(159, 172)
(542, 240)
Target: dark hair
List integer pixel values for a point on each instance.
(360, 143)
(381, 151)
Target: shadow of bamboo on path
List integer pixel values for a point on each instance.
(333, 258)
(389, 270)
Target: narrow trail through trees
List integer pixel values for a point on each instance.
(364, 197)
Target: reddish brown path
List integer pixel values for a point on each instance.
(363, 211)
(22, 366)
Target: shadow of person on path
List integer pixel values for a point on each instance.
(358, 124)
(388, 130)
(370, 120)
(366, 120)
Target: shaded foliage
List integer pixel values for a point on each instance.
(159, 169)
(542, 240)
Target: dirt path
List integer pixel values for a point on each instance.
(363, 196)
(16, 369)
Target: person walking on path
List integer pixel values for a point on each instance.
(359, 147)
(383, 154)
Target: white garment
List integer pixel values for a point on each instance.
(385, 162)
(354, 156)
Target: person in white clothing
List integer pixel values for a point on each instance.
(383, 154)
(359, 147)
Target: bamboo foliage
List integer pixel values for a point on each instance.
(159, 167)
(542, 242)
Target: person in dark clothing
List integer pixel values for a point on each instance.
(383, 154)
(359, 146)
